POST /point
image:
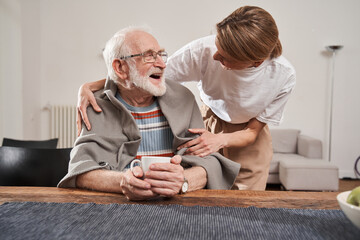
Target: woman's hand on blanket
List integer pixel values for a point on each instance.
(205, 144)
(134, 188)
(166, 179)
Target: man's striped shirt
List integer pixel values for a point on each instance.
(156, 135)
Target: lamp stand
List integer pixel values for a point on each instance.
(333, 49)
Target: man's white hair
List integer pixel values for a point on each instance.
(116, 47)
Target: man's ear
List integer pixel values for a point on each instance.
(121, 68)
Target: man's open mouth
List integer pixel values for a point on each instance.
(155, 76)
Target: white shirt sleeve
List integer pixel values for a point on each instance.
(273, 113)
(184, 65)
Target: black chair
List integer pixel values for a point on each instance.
(33, 167)
(51, 143)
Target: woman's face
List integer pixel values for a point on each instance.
(230, 63)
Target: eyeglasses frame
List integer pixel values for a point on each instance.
(142, 54)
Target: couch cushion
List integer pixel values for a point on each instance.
(284, 140)
(277, 157)
(274, 167)
(274, 164)
(273, 178)
(308, 174)
(309, 147)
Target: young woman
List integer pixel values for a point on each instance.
(244, 83)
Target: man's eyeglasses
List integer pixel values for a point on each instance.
(149, 56)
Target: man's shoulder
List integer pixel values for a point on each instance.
(177, 96)
(174, 88)
(110, 115)
(104, 103)
(99, 93)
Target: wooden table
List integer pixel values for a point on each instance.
(225, 198)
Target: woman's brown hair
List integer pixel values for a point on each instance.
(249, 34)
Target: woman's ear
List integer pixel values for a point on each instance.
(121, 68)
(256, 64)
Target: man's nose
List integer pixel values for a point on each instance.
(159, 62)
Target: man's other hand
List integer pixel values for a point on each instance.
(134, 188)
(166, 179)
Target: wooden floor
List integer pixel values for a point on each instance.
(344, 185)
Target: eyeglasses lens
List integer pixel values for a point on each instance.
(151, 56)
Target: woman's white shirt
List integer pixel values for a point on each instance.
(235, 96)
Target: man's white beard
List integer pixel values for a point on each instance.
(144, 82)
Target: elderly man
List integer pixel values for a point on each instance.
(142, 115)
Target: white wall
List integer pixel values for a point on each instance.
(11, 109)
(61, 44)
(31, 61)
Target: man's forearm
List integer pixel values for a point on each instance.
(196, 177)
(109, 181)
(100, 180)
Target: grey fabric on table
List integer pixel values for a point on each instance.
(31, 220)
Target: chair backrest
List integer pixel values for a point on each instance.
(51, 143)
(33, 167)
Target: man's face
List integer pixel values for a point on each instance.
(145, 75)
(145, 81)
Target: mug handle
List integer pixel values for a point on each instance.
(133, 162)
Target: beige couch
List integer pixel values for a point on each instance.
(297, 163)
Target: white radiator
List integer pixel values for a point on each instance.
(63, 125)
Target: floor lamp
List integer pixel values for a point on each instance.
(333, 49)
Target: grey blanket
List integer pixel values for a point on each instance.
(31, 220)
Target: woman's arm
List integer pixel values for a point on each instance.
(209, 143)
(85, 98)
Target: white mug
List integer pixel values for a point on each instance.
(146, 161)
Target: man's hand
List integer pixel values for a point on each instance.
(205, 144)
(134, 188)
(85, 98)
(166, 179)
